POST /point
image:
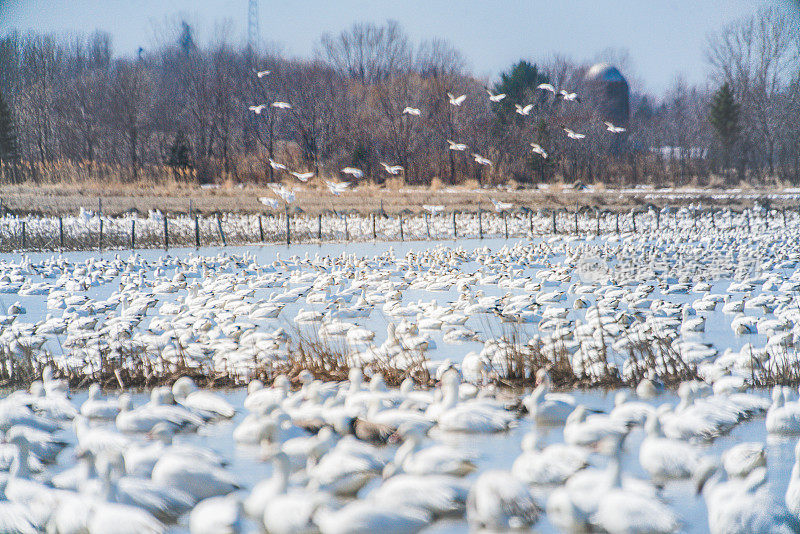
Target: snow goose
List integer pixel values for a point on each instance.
(204, 402)
(549, 466)
(743, 505)
(545, 408)
(439, 495)
(782, 418)
(436, 459)
(583, 429)
(363, 517)
(471, 416)
(217, 515)
(256, 502)
(200, 480)
(96, 408)
(500, 502)
(664, 458)
(741, 459)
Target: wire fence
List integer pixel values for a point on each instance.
(93, 232)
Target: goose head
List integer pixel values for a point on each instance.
(183, 387)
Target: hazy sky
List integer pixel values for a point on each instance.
(664, 37)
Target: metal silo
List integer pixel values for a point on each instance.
(607, 89)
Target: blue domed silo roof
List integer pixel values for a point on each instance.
(604, 72)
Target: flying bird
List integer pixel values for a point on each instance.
(282, 105)
(337, 188)
(537, 149)
(501, 206)
(480, 160)
(547, 87)
(286, 194)
(411, 111)
(456, 100)
(352, 171)
(271, 202)
(524, 110)
(456, 146)
(262, 73)
(613, 129)
(495, 97)
(392, 169)
(566, 95)
(257, 109)
(432, 209)
(277, 166)
(302, 176)
(574, 135)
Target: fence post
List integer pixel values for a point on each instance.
(505, 224)
(260, 229)
(455, 228)
(133, 234)
(658, 218)
(319, 227)
(346, 231)
(597, 218)
(23, 235)
(747, 216)
(374, 230)
(166, 233)
(617, 223)
(197, 231)
(60, 231)
(100, 240)
(219, 227)
(633, 221)
(400, 218)
(713, 220)
(555, 213)
(428, 225)
(480, 223)
(288, 228)
(783, 211)
(576, 221)
(530, 221)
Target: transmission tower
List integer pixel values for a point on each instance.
(252, 24)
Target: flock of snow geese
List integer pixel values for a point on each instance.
(337, 188)
(359, 456)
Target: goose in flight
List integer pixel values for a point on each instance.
(456, 100)
(501, 206)
(456, 146)
(496, 97)
(392, 169)
(281, 105)
(547, 87)
(574, 135)
(354, 172)
(411, 111)
(526, 110)
(277, 166)
(337, 188)
(480, 160)
(432, 209)
(257, 109)
(537, 149)
(613, 129)
(270, 202)
(569, 97)
(286, 194)
(262, 73)
(302, 176)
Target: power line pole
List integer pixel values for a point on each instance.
(252, 25)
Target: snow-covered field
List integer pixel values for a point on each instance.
(714, 299)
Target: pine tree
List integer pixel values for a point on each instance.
(519, 84)
(179, 153)
(724, 117)
(8, 133)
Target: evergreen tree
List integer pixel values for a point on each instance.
(8, 133)
(724, 117)
(179, 153)
(519, 84)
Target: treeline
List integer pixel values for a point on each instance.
(71, 110)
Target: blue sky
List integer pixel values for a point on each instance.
(664, 38)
